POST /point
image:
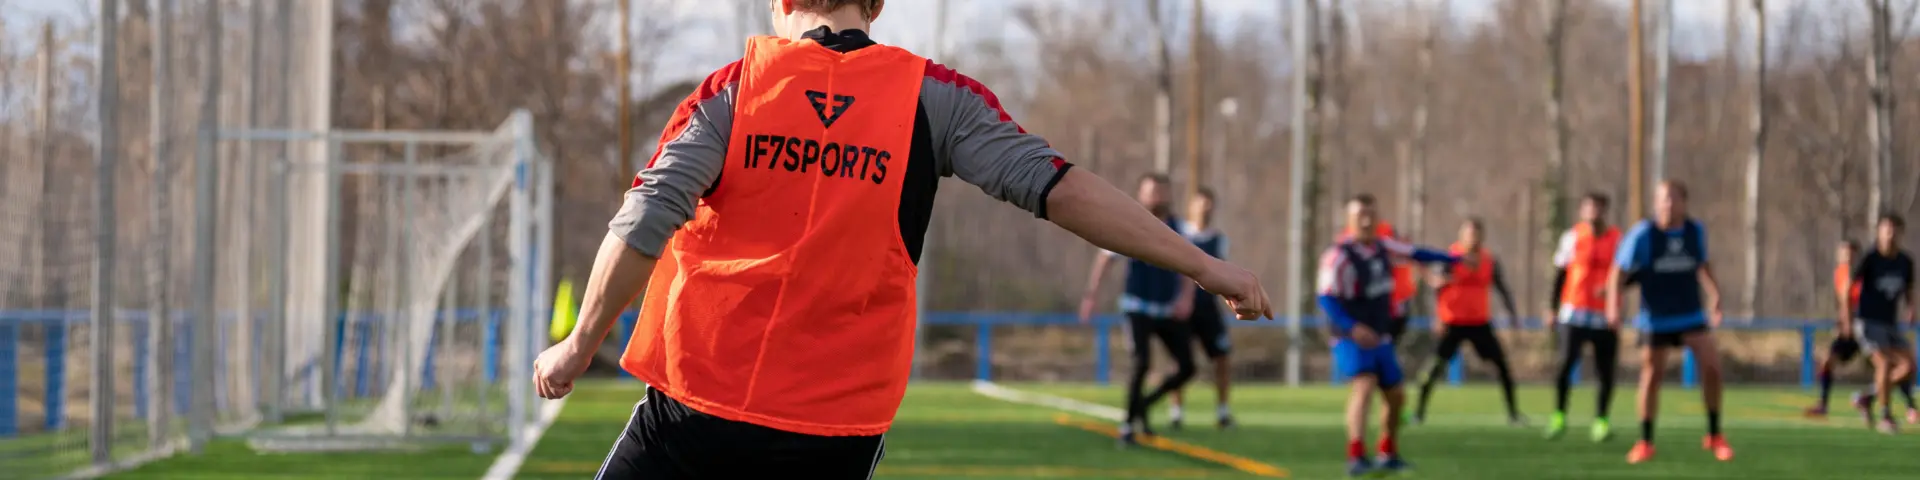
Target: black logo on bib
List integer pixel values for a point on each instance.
(820, 106)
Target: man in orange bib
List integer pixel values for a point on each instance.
(1466, 316)
(1585, 260)
(776, 233)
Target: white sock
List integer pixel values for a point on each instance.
(1176, 412)
(1223, 411)
(1126, 428)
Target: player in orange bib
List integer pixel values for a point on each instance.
(776, 233)
(1584, 258)
(1464, 293)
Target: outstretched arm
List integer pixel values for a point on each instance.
(1500, 286)
(1417, 253)
(1092, 209)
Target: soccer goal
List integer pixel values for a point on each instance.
(404, 290)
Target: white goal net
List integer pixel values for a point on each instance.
(416, 324)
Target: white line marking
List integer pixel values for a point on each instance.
(992, 390)
(509, 462)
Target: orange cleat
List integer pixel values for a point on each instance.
(1642, 451)
(1718, 445)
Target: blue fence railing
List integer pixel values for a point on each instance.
(53, 328)
(367, 374)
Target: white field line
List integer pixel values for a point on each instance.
(508, 464)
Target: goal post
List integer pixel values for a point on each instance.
(432, 255)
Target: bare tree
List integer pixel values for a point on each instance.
(1757, 111)
(1880, 117)
(1163, 94)
(1556, 192)
(1662, 66)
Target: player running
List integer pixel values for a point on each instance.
(1884, 277)
(1585, 262)
(1157, 303)
(1209, 323)
(775, 233)
(1465, 315)
(1843, 349)
(1356, 291)
(1679, 306)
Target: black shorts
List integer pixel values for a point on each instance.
(1210, 327)
(1843, 349)
(1481, 337)
(1671, 339)
(666, 440)
(1879, 336)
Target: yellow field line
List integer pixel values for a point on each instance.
(1166, 444)
(1042, 471)
(1034, 471)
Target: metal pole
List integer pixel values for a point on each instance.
(251, 190)
(277, 317)
(403, 330)
(1663, 40)
(206, 176)
(330, 295)
(518, 294)
(107, 160)
(159, 324)
(1297, 201)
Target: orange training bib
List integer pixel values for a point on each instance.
(788, 300)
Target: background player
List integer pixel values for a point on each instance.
(1585, 262)
(1405, 282)
(1679, 306)
(1157, 303)
(1209, 322)
(1465, 315)
(1885, 279)
(1843, 348)
(1356, 291)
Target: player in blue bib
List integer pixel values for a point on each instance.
(1679, 305)
(1356, 291)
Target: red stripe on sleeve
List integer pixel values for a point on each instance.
(949, 76)
(715, 84)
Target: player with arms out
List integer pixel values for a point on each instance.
(1466, 316)
(1209, 322)
(1679, 306)
(1157, 303)
(1356, 292)
(1585, 262)
(775, 233)
(1884, 277)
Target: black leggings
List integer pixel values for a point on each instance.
(1485, 344)
(1178, 337)
(1606, 355)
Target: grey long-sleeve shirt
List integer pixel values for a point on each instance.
(966, 134)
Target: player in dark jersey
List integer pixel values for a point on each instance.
(1356, 292)
(1885, 279)
(1666, 257)
(1208, 320)
(1157, 303)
